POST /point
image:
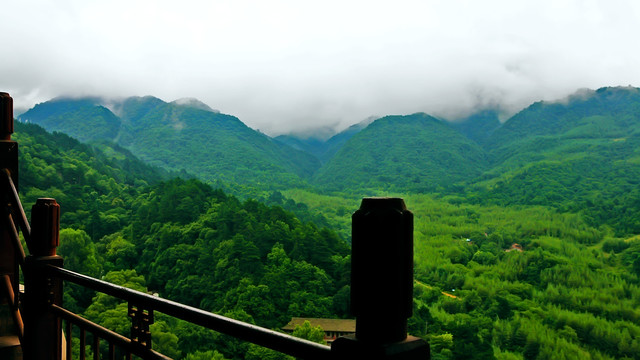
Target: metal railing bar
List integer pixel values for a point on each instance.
(15, 199)
(271, 339)
(104, 333)
(15, 311)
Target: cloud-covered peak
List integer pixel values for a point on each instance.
(194, 103)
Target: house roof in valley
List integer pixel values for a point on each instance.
(338, 325)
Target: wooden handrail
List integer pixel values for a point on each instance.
(14, 200)
(13, 232)
(104, 333)
(252, 333)
(13, 303)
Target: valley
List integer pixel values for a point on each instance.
(179, 199)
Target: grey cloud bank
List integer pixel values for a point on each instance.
(284, 66)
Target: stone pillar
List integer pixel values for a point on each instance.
(381, 284)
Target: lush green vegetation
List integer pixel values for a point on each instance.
(85, 119)
(416, 152)
(571, 293)
(324, 150)
(479, 126)
(87, 181)
(245, 260)
(579, 156)
(183, 240)
(215, 146)
(177, 137)
(559, 179)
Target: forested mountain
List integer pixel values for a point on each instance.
(579, 115)
(309, 145)
(479, 126)
(84, 119)
(213, 146)
(124, 221)
(579, 155)
(565, 190)
(182, 135)
(583, 122)
(88, 181)
(403, 153)
(335, 143)
(324, 149)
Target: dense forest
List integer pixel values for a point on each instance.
(571, 293)
(183, 240)
(559, 179)
(179, 136)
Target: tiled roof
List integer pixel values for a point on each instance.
(338, 325)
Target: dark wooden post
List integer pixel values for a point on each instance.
(9, 161)
(42, 330)
(9, 148)
(381, 284)
(6, 115)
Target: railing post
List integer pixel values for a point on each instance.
(381, 284)
(43, 330)
(9, 161)
(9, 148)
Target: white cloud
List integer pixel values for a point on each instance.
(283, 65)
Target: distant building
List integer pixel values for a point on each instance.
(333, 328)
(515, 247)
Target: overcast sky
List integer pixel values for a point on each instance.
(293, 65)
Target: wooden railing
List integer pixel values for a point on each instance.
(382, 283)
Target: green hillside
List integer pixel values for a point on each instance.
(569, 294)
(593, 133)
(84, 119)
(478, 126)
(336, 142)
(584, 110)
(180, 136)
(580, 155)
(311, 145)
(215, 146)
(88, 181)
(324, 150)
(122, 221)
(403, 153)
(569, 198)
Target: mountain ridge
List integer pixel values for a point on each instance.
(418, 149)
(182, 135)
(478, 154)
(569, 198)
